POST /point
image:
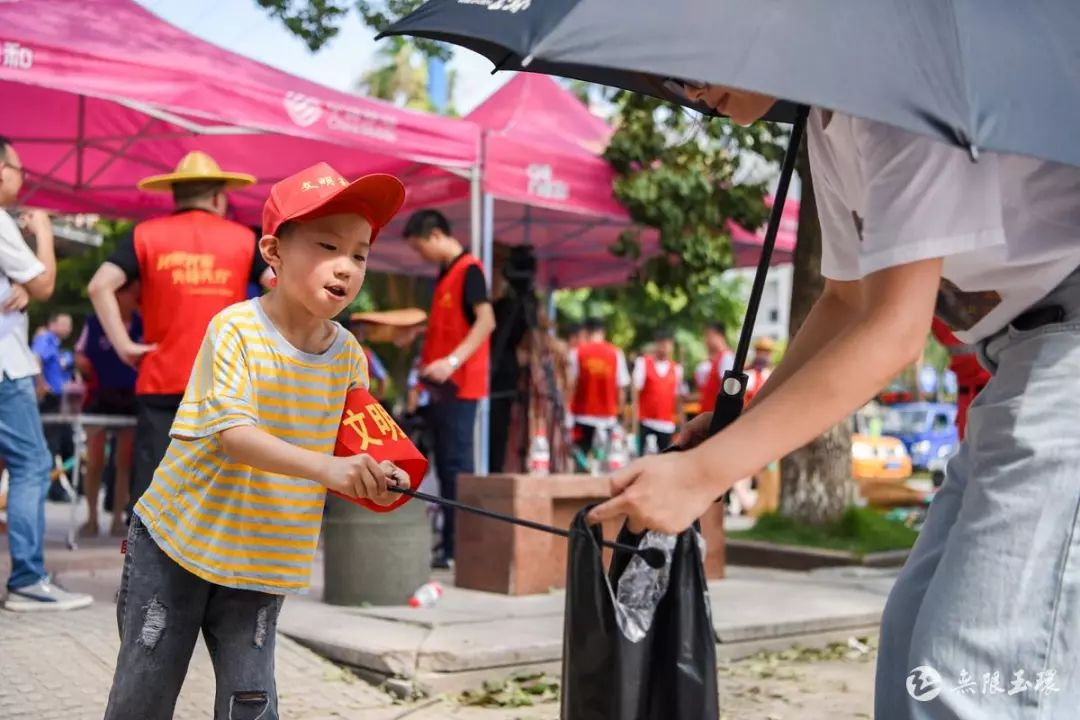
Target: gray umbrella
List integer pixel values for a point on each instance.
(997, 75)
(1000, 75)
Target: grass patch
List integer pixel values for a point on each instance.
(860, 530)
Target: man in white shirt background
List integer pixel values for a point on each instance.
(24, 276)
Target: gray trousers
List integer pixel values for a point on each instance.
(161, 610)
(984, 620)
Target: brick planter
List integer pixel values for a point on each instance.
(498, 557)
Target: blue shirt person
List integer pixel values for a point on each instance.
(46, 346)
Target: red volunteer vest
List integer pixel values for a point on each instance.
(192, 265)
(712, 384)
(660, 394)
(754, 380)
(597, 391)
(448, 326)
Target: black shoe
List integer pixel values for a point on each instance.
(441, 562)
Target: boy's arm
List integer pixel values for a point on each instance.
(356, 476)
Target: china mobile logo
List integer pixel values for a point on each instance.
(510, 6)
(17, 57)
(303, 110)
(542, 183)
(924, 683)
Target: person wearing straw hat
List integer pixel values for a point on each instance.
(192, 264)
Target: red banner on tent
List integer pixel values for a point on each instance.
(366, 427)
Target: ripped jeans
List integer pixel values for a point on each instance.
(160, 611)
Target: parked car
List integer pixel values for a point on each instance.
(928, 431)
(878, 458)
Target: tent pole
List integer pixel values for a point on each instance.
(80, 142)
(729, 402)
(484, 410)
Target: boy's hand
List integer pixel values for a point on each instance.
(361, 476)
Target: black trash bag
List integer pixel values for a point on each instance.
(638, 643)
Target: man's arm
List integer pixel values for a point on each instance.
(478, 333)
(41, 287)
(102, 291)
(885, 333)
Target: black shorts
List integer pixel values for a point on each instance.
(109, 401)
(154, 419)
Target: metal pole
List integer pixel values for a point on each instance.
(483, 415)
(476, 232)
(80, 445)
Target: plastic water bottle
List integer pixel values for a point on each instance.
(426, 595)
(599, 451)
(619, 454)
(539, 455)
(652, 445)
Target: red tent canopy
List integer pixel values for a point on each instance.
(100, 93)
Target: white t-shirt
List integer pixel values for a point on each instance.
(1008, 227)
(622, 379)
(18, 264)
(663, 367)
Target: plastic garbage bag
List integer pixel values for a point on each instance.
(638, 642)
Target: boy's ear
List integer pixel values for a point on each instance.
(270, 246)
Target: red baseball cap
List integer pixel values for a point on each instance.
(320, 190)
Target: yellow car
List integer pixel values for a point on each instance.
(877, 458)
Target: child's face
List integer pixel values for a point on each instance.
(321, 263)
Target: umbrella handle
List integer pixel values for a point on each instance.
(729, 402)
(653, 557)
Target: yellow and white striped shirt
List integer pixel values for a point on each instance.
(228, 523)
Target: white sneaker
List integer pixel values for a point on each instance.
(45, 596)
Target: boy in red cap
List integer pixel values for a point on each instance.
(230, 522)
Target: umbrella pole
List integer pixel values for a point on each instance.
(729, 402)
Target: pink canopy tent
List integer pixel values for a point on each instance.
(746, 245)
(100, 93)
(544, 182)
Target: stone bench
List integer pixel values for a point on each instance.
(498, 557)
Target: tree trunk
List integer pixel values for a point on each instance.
(815, 480)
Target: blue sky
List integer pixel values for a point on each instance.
(243, 27)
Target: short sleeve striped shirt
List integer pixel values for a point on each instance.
(229, 523)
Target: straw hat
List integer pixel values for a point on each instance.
(764, 344)
(405, 317)
(391, 326)
(196, 166)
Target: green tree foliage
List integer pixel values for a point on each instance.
(73, 274)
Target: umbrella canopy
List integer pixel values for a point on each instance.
(991, 75)
(100, 94)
